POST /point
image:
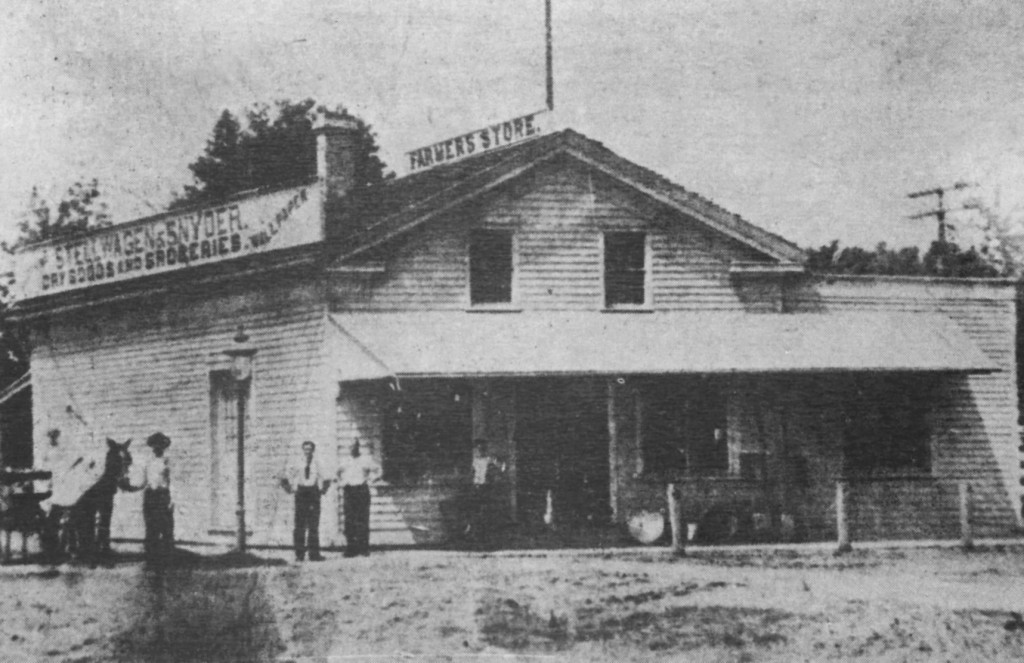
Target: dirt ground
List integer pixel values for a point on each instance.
(624, 605)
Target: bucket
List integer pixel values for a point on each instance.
(646, 527)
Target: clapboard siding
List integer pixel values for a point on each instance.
(399, 515)
(803, 416)
(977, 421)
(129, 370)
(558, 221)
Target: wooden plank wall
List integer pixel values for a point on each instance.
(802, 416)
(558, 220)
(399, 515)
(979, 422)
(130, 369)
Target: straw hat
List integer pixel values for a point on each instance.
(158, 440)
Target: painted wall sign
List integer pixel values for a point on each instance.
(475, 142)
(171, 242)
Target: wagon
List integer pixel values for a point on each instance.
(20, 509)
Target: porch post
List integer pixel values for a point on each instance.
(511, 417)
(966, 516)
(613, 453)
(842, 526)
(675, 512)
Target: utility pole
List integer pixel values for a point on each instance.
(940, 211)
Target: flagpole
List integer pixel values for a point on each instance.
(550, 64)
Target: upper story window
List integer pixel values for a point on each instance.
(490, 267)
(625, 269)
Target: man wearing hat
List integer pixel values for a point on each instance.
(156, 500)
(308, 480)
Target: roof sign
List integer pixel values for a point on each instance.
(170, 242)
(475, 142)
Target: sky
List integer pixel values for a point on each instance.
(813, 120)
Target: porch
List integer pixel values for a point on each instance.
(757, 456)
(591, 415)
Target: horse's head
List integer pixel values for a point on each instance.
(119, 461)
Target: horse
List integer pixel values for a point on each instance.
(89, 501)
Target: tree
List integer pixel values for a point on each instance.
(941, 259)
(275, 146)
(1001, 234)
(80, 210)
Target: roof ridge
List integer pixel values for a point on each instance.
(692, 197)
(415, 192)
(442, 190)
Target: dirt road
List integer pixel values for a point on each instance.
(889, 605)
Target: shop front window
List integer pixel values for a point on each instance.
(684, 429)
(886, 425)
(428, 432)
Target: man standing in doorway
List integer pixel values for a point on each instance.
(483, 500)
(357, 472)
(308, 481)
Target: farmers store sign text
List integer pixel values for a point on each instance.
(475, 142)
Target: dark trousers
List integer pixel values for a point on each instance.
(105, 510)
(481, 513)
(156, 512)
(357, 520)
(60, 535)
(307, 522)
(54, 534)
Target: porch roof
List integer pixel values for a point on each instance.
(450, 344)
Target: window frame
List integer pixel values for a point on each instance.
(511, 304)
(684, 409)
(648, 298)
(410, 455)
(866, 451)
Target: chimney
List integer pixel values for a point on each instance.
(337, 143)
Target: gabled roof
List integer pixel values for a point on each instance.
(412, 200)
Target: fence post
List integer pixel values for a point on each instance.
(675, 514)
(966, 516)
(842, 525)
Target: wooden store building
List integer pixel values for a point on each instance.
(604, 329)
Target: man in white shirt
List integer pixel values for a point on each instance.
(482, 500)
(307, 479)
(156, 499)
(357, 472)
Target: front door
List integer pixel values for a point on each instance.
(224, 451)
(562, 452)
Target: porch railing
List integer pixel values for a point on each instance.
(907, 507)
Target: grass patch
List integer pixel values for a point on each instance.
(509, 624)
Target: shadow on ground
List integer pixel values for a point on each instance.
(176, 558)
(183, 612)
(639, 618)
